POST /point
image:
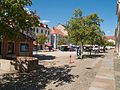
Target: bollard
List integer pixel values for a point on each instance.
(71, 59)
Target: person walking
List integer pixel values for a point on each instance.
(77, 51)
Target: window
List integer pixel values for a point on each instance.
(10, 48)
(24, 47)
(41, 30)
(37, 30)
(48, 39)
(45, 31)
(48, 32)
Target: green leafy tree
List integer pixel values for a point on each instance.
(109, 43)
(15, 18)
(93, 31)
(63, 41)
(84, 29)
(75, 27)
(41, 39)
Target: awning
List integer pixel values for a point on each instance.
(34, 43)
(48, 44)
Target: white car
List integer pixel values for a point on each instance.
(95, 48)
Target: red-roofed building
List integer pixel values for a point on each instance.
(110, 39)
(42, 29)
(56, 31)
(62, 28)
(56, 34)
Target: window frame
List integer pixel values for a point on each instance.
(41, 30)
(13, 47)
(24, 49)
(48, 32)
(37, 30)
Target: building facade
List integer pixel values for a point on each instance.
(62, 28)
(56, 34)
(43, 29)
(23, 46)
(110, 39)
(117, 30)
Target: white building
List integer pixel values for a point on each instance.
(56, 34)
(44, 30)
(110, 39)
(62, 28)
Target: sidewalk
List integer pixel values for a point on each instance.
(105, 79)
(117, 72)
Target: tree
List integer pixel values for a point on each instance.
(109, 43)
(41, 39)
(94, 33)
(15, 18)
(75, 27)
(84, 29)
(63, 41)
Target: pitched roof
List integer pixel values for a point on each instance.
(54, 30)
(110, 37)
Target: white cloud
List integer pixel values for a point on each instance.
(44, 21)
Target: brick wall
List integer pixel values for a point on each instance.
(16, 47)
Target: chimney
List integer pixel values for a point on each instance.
(54, 28)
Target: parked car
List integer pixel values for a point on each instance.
(86, 48)
(64, 48)
(74, 47)
(96, 48)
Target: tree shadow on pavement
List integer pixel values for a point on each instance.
(38, 79)
(44, 57)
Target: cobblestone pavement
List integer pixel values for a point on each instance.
(84, 71)
(58, 72)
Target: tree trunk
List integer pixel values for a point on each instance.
(91, 50)
(81, 55)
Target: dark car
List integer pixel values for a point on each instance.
(64, 48)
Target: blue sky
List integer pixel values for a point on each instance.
(59, 11)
